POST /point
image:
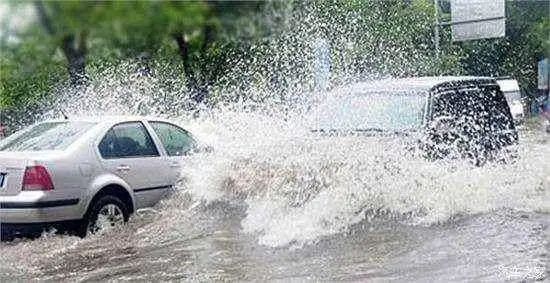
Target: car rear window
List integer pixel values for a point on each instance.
(46, 136)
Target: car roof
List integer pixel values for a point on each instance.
(114, 119)
(406, 84)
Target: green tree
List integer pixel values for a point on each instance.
(75, 35)
(526, 41)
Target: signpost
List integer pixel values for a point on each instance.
(477, 19)
(473, 19)
(543, 74)
(544, 88)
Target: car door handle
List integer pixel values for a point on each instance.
(123, 168)
(175, 164)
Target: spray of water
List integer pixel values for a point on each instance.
(300, 186)
(296, 187)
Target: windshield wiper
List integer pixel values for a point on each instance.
(379, 130)
(363, 131)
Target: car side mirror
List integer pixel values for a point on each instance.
(204, 149)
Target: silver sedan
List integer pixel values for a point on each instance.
(88, 173)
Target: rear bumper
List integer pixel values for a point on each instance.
(37, 204)
(39, 211)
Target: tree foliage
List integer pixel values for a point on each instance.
(99, 33)
(273, 41)
(527, 40)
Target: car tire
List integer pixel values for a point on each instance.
(106, 211)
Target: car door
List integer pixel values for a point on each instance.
(128, 151)
(177, 143)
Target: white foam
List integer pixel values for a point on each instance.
(299, 187)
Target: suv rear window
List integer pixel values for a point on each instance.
(483, 109)
(46, 136)
(472, 119)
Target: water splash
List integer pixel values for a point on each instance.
(297, 187)
(300, 187)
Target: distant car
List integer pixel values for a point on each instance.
(510, 89)
(463, 117)
(545, 113)
(88, 173)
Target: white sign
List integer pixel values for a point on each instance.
(477, 19)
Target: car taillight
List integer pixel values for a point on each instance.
(37, 178)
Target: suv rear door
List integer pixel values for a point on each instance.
(475, 116)
(128, 151)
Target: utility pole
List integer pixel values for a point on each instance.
(436, 31)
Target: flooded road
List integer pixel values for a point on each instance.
(274, 203)
(503, 245)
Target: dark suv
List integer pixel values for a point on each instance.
(464, 117)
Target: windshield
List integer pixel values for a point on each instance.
(45, 136)
(387, 111)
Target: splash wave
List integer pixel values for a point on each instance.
(299, 187)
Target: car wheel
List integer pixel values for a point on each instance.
(104, 214)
